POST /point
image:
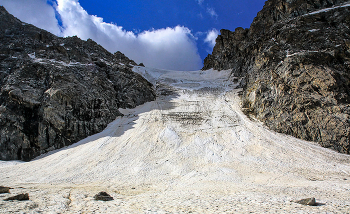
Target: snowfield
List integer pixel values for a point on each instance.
(190, 151)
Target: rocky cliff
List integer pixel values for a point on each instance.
(295, 59)
(56, 91)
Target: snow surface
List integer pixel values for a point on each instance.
(191, 150)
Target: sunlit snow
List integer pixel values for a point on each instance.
(192, 149)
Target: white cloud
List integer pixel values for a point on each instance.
(200, 15)
(169, 48)
(211, 11)
(199, 33)
(36, 12)
(200, 2)
(211, 37)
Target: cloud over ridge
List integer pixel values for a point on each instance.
(36, 12)
(172, 48)
(211, 37)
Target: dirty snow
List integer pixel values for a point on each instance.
(327, 9)
(32, 55)
(314, 30)
(190, 151)
(53, 61)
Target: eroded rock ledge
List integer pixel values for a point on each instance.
(56, 91)
(295, 58)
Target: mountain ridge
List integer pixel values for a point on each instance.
(56, 91)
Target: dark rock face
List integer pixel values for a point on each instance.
(296, 62)
(230, 52)
(123, 59)
(56, 91)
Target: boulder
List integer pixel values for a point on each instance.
(19, 197)
(4, 189)
(103, 196)
(307, 201)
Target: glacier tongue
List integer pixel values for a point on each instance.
(192, 144)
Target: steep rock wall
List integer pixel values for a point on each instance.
(56, 91)
(295, 59)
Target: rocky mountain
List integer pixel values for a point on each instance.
(56, 91)
(295, 64)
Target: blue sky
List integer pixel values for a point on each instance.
(171, 34)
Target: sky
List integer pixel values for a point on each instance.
(172, 34)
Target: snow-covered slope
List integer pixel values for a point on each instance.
(191, 150)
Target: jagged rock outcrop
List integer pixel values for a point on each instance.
(56, 91)
(295, 59)
(124, 59)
